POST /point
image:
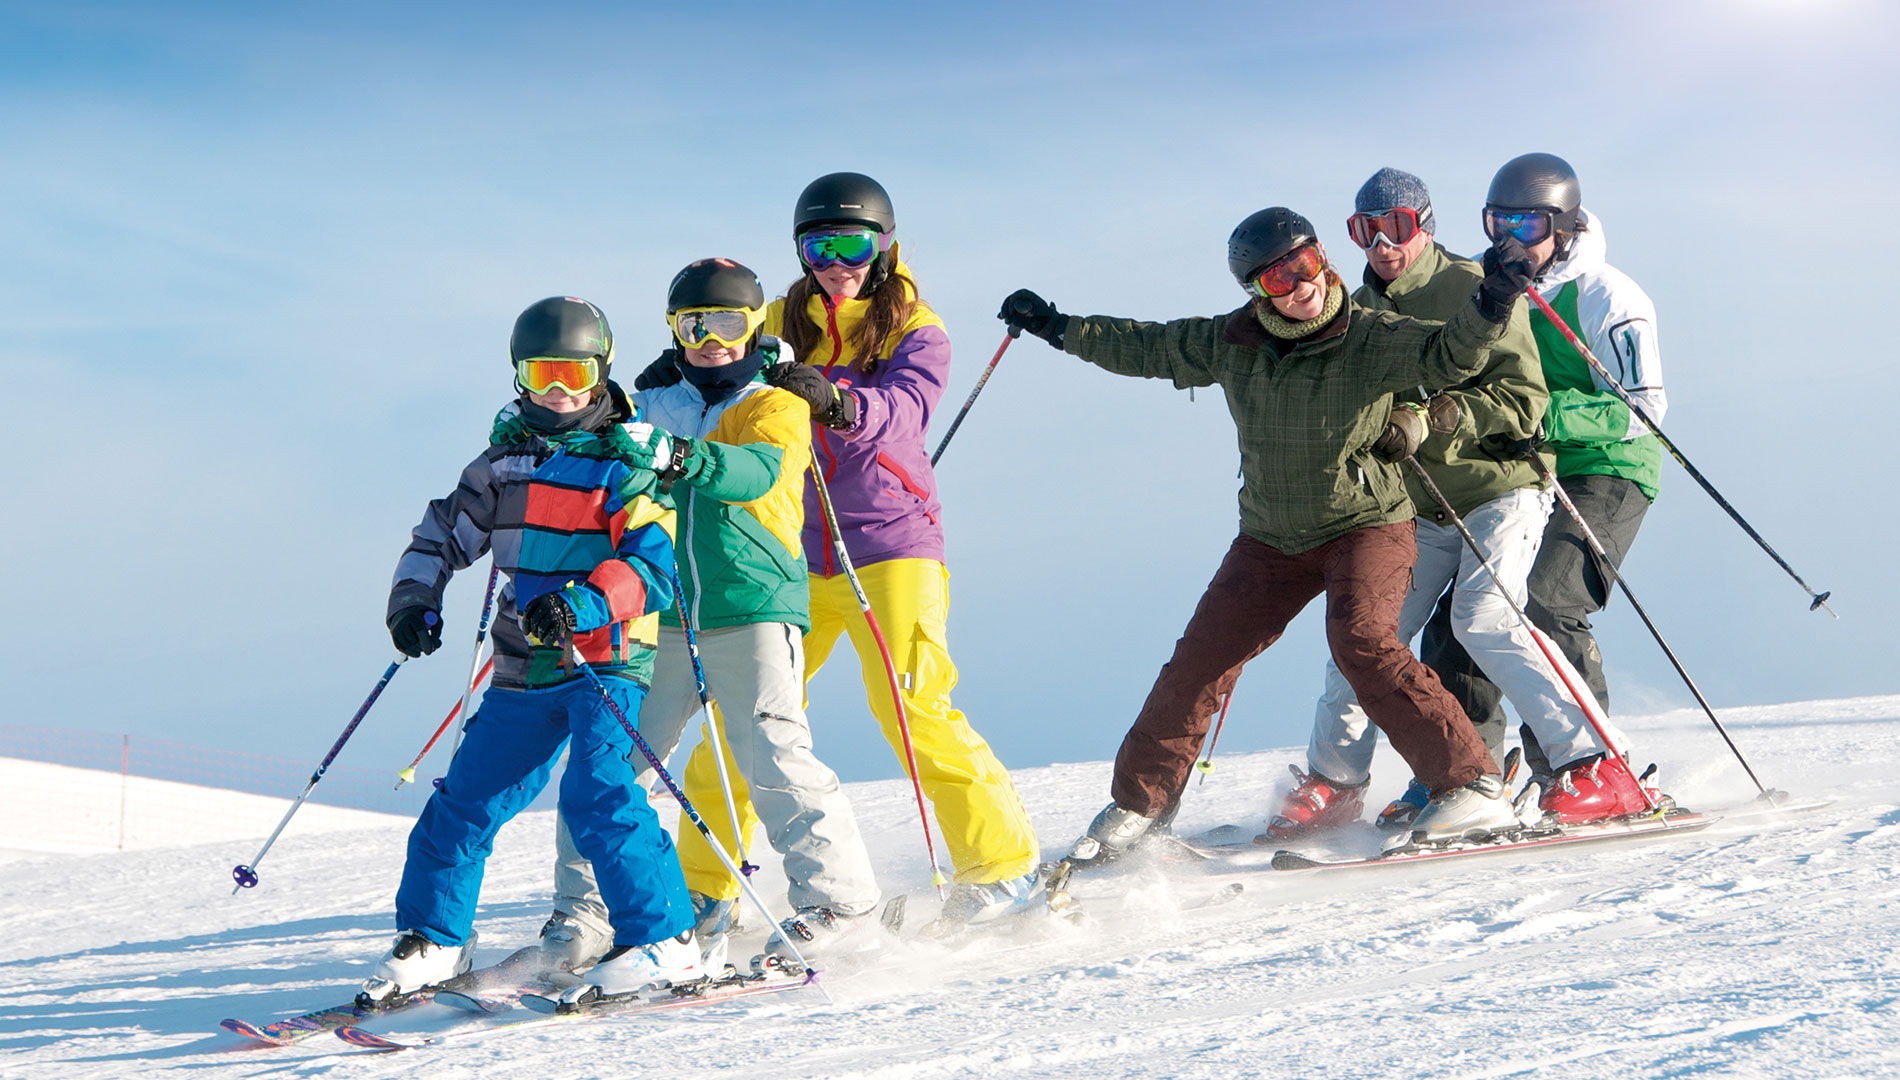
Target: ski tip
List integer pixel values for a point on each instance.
(252, 1031)
(1293, 860)
(356, 1036)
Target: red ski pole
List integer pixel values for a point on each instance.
(890, 668)
(408, 775)
(965, 411)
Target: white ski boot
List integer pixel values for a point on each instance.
(572, 943)
(971, 903)
(627, 969)
(414, 962)
(1475, 811)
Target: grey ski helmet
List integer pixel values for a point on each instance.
(562, 326)
(1539, 182)
(1266, 235)
(844, 198)
(715, 283)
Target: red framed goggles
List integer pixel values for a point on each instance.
(1396, 225)
(539, 374)
(1528, 226)
(1281, 276)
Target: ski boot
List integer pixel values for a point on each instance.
(1111, 835)
(414, 963)
(572, 943)
(1401, 812)
(1316, 803)
(972, 903)
(1480, 809)
(824, 931)
(628, 969)
(1599, 788)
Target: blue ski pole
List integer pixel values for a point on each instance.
(246, 873)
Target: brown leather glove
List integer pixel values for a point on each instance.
(1404, 431)
(1443, 414)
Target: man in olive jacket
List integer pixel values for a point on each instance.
(1476, 461)
(1310, 378)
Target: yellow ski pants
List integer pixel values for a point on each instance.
(981, 819)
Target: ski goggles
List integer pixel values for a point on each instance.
(1396, 225)
(539, 374)
(823, 249)
(1528, 226)
(731, 327)
(1281, 276)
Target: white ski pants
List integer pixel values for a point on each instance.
(1509, 528)
(755, 674)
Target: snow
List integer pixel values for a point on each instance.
(1759, 948)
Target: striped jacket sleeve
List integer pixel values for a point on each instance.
(453, 534)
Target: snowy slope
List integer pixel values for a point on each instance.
(1761, 948)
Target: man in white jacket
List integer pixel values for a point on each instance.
(1608, 461)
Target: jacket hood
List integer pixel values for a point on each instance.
(1588, 252)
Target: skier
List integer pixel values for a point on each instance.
(874, 359)
(1477, 464)
(1309, 376)
(1607, 461)
(735, 451)
(587, 545)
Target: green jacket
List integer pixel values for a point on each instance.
(1306, 413)
(1501, 404)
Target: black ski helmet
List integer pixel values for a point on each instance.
(844, 198)
(1266, 235)
(562, 326)
(1538, 182)
(715, 283)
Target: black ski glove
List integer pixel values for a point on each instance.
(1404, 431)
(1503, 449)
(1024, 310)
(1508, 271)
(416, 630)
(548, 620)
(665, 371)
(830, 406)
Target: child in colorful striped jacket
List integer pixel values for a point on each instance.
(587, 544)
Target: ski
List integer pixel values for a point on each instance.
(296, 1029)
(1554, 837)
(549, 1011)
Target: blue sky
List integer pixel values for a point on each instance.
(260, 266)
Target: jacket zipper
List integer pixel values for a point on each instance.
(823, 440)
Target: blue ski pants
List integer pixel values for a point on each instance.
(506, 756)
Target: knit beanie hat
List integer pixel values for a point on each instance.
(1390, 188)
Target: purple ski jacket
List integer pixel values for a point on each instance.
(878, 471)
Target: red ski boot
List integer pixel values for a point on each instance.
(1597, 789)
(1316, 803)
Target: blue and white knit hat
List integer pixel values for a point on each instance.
(1390, 188)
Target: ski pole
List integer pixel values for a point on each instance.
(965, 411)
(481, 633)
(890, 668)
(1206, 764)
(245, 874)
(1585, 700)
(1609, 567)
(686, 805)
(712, 723)
(1820, 599)
(455, 710)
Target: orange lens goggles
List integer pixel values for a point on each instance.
(539, 374)
(1283, 275)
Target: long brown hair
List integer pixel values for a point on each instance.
(892, 302)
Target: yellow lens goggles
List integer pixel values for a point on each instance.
(539, 374)
(731, 327)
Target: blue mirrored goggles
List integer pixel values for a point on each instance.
(1527, 226)
(824, 248)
